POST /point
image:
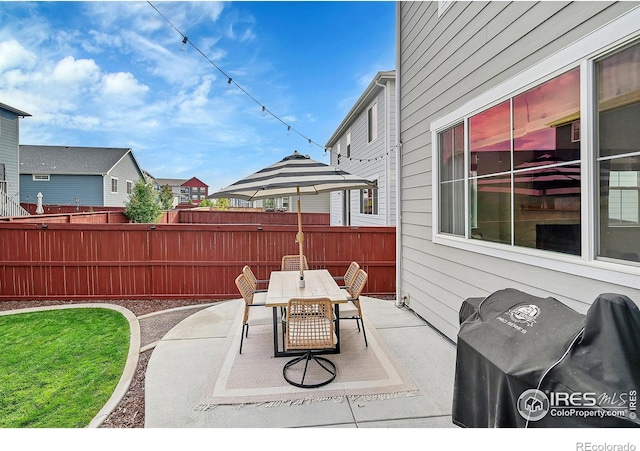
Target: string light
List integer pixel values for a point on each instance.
(265, 111)
(184, 43)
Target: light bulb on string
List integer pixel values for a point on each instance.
(288, 130)
(184, 43)
(229, 83)
(264, 111)
(309, 142)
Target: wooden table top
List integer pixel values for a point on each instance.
(319, 283)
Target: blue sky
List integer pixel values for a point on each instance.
(113, 74)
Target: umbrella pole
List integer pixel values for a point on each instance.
(300, 239)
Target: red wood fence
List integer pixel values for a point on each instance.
(152, 261)
(116, 216)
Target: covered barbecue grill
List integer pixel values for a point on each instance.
(526, 361)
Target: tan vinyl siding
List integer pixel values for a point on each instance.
(444, 63)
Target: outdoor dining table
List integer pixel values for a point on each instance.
(319, 283)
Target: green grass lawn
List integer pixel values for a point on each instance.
(59, 367)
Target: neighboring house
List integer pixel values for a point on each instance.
(9, 161)
(82, 176)
(148, 178)
(308, 204)
(185, 191)
(520, 152)
(364, 144)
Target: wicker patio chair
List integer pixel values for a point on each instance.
(310, 328)
(348, 277)
(353, 309)
(292, 263)
(254, 280)
(254, 301)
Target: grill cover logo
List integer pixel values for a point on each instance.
(525, 314)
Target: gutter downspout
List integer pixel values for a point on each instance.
(387, 146)
(400, 301)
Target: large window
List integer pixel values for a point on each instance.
(523, 170)
(618, 157)
(114, 185)
(551, 161)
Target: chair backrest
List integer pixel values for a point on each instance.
(251, 277)
(310, 324)
(246, 288)
(358, 284)
(351, 273)
(292, 263)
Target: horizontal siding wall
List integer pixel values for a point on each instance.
(144, 261)
(9, 131)
(444, 63)
(125, 170)
(63, 190)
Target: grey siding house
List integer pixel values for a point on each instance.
(520, 160)
(9, 150)
(364, 144)
(83, 176)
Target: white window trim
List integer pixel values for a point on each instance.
(130, 183)
(41, 177)
(111, 185)
(581, 53)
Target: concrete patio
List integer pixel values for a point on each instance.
(179, 366)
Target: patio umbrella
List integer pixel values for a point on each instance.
(297, 175)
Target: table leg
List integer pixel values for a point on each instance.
(337, 327)
(275, 331)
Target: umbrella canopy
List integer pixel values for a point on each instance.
(295, 174)
(298, 175)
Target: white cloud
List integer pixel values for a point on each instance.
(122, 86)
(13, 55)
(71, 71)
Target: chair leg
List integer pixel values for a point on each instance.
(325, 364)
(245, 332)
(359, 321)
(364, 332)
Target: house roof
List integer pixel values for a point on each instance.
(361, 104)
(195, 181)
(70, 160)
(14, 110)
(170, 182)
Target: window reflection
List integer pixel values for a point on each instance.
(452, 180)
(544, 121)
(540, 183)
(490, 140)
(492, 204)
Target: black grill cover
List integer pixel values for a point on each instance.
(510, 340)
(606, 362)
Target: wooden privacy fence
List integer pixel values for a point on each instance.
(113, 215)
(154, 261)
